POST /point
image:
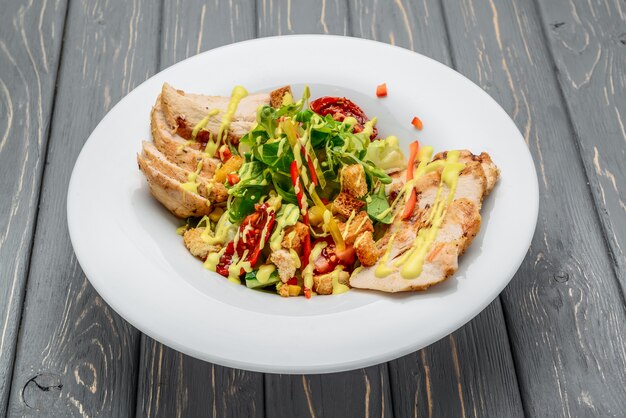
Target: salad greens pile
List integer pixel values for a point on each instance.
(327, 146)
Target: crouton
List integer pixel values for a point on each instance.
(285, 263)
(345, 203)
(295, 236)
(323, 284)
(218, 193)
(276, 96)
(357, 226)
(196, 245)
(366, 250)
(353, 180)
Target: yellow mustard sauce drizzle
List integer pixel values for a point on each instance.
(236, 96)
(191, 185)
(383, 270)
(338, 288)
(412, 260)
(238, 264)
(221, 231)
(289, 217)
(213, 259)
(203, 122)
(346, 228)
(263, 275)
(307, 273)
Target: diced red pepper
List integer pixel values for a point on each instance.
(307, 293)
(292, 281)
(417, 122)
(233, 178)
(225, 153)
(381, 90)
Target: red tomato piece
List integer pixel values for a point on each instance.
(340, 108)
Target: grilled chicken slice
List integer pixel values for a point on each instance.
(185, 154)
(460, 225)
(171, 194)
(183, 111)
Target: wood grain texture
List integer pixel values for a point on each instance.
(356, 393)
(286, 17)
(175, 385)
(75, 356)
(171, 383)
(588, 43)
(564, 312)
(471, 372)
(30, 44)
(362, 393)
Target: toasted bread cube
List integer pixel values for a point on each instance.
(358, 225)
(366, 250)
(276, 96)
(345, 203)
(285, 264)
(323, 284)
(353, 180)
(295, 236)
(196, 245)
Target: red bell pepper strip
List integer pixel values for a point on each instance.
(410, 204)
(309, 162)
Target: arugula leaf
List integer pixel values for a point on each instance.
(377, 205)
(276, 154)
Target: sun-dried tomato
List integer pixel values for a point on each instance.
(340, 108)
(251, 238)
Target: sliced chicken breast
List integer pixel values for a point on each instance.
(183, 111)
(171, 194)
(460, 225)
(185, 154)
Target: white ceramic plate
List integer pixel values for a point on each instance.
(127, 246)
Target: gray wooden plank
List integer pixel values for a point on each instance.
(588, 44)
(471, 372)
(564, 310)
(276, 17)
(174, 384)
(356, 393)
(171, 383)
(75, 356)
(29, 54)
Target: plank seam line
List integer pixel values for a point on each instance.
(568, 113)
(44, 157)
(142, 336)
(511, 350)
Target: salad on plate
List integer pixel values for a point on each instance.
(302, 197)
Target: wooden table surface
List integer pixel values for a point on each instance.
(554, 342)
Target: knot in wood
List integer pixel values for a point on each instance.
(42, 390)
(561, 277)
